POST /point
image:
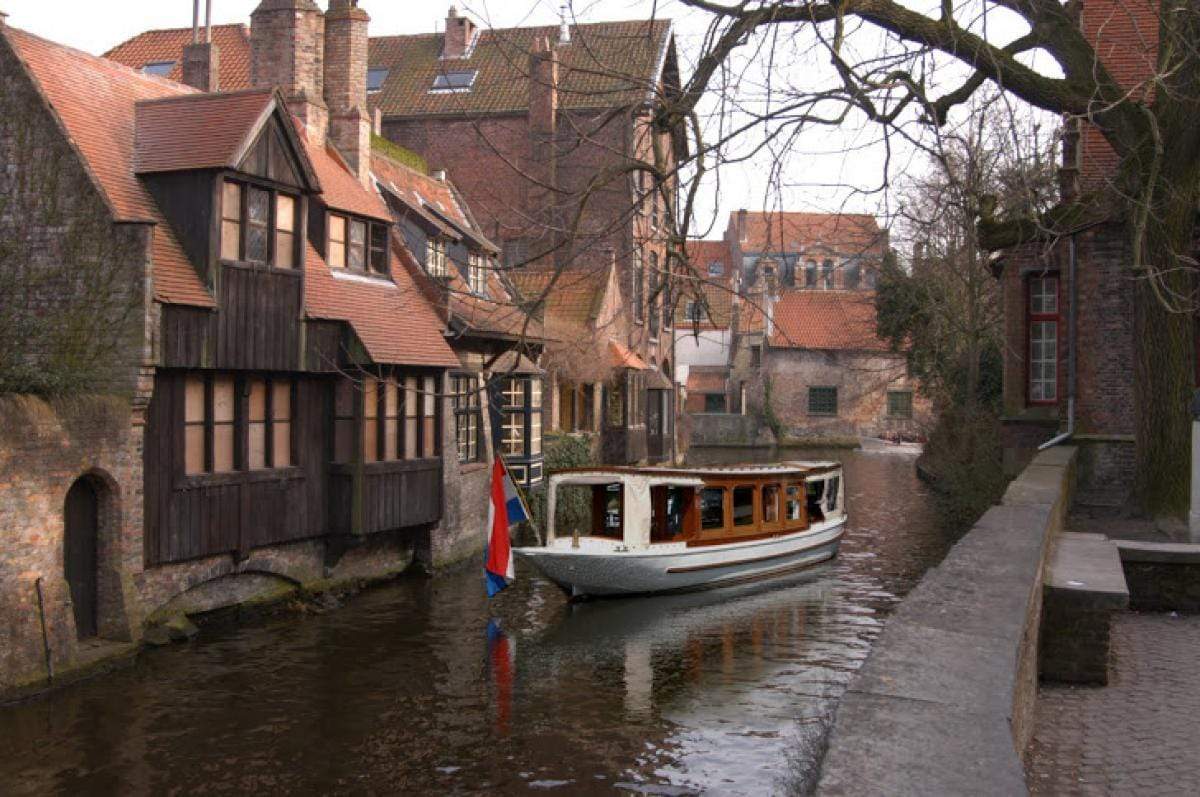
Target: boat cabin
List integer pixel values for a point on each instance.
(638, 507)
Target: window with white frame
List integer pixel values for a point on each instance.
(477, 273)
(435, 257)
(1043, 340)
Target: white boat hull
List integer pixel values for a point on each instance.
(600, 567)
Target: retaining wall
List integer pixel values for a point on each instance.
(944, 702)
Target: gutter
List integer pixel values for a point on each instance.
(1070, 430)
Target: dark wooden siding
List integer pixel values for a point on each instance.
(192, 516)
(256, 328)
(393, 495)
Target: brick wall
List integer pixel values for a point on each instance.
(287, 49)
(862, 381)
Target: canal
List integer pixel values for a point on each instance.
(404, 689)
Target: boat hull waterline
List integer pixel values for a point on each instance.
(677, 568)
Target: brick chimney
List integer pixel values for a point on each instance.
(287, 48)
(460, 34)
(201, 61)
(346, 84)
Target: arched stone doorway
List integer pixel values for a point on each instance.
(81, 543)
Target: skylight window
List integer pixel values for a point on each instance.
(375, 77)
(160, 68)
(452, 82)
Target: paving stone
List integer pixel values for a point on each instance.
(1138, 734)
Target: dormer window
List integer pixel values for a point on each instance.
(375, 77)
(258, 225)
(715, 269)
(435, 257)
(477, 274)
(454, 82)
(357, 244)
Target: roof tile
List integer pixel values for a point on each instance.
(805, 319)
(158, 46)
(196, 131)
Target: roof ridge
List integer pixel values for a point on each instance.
(651, 22)
(185, 29)
(207, 95)
(102, 61)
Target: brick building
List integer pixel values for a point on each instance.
(278, 405)
(704, 328)
(524, 120)
(1069, 301)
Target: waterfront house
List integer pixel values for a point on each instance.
(257, 379)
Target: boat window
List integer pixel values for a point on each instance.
(743, 506)
(612, 509)
(794, 507)
(816, 491)
(677, 500)
(712, 508)
(770, 503)
(831, 494)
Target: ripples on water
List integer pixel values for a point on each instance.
(401, 689)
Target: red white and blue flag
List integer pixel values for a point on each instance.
(505, 508)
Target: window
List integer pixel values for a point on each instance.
(755, 355)
(716, 269)
(357, 244)
(258, 224)
(521, 423)
(468, 422)
(235, 423)
(635, 399)
(810, 274)
(514, 434)
(714, 402)
(712, 508)
(637, 293)
(379, 248)
(454, 81)
(356, 250)
(476, 274)
(743, 506)
(654, 294)
(668, 300)
(900, 404)
(614, 399)
(337, 241)
(435, 257)
(398, 418)
(822, 401)
(694, 311)
(231, 221)
(285, 231)
(770, 503)
(160, 68)
(795, 503)
(827, 275)
(1043, 340)
(376, 75)
(852, 275)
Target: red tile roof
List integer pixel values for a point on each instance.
(826, 320)
(391, 318)
(781, 231)
(700, 254)
(198, 131)
(620, 356)
(95, 101)
(157, 46)
(571, 300)
(606, 65)
(340, 189)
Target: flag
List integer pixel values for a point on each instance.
(504, 509)
(502, 658)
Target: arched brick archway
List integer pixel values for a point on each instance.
(92, 522)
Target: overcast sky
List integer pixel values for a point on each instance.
(815, 176)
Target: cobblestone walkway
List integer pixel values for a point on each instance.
(1139, 734)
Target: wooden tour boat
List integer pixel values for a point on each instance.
(668, 529)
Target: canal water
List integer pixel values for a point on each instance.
(421, 686)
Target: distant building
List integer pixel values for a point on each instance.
(814, 251)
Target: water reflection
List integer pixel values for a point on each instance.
(414, 688)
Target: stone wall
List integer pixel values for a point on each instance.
(862, 381)
(944, 702)
(727, 430)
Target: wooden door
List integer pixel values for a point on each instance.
(79, 554)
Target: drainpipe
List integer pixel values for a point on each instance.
(1194, 514)
(1053, 441)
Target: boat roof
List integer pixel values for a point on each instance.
(745, 470)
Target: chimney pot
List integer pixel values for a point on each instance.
(286, 50)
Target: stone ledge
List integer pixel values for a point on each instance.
(943, 702)
(1167, 553)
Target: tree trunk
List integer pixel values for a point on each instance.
(1164, 365)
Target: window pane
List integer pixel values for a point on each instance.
(285, 213)
(193, 448)
(231, 202)
(822, 401)
(223, 399)
(231, 235)
(258, 205)
(743, 506)
(712, 508)
(193, 399)
(257, 451)
(337, 241)
(770, 503)
(794, 505)
(281, 444)
(281, 400)
(358, 242)
(285, 250)
(222, 447)
(535, 434)
(379, 248)
(370, 440)
(258, 400)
